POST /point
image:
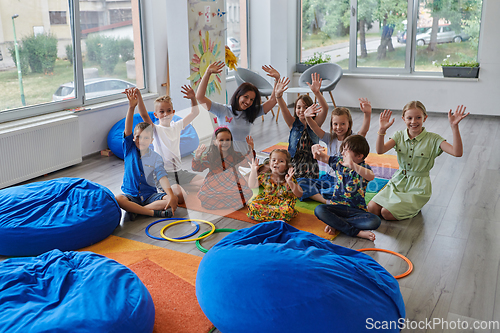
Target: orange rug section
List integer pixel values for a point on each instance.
(170, 277)
(176, 306)
(279, 145)
(385, 161)
(128, 252)
(303, 221)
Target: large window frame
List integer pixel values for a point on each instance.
(410, 54)
(79, 101)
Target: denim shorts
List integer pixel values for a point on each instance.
(138, 200)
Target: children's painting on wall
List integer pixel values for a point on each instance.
(206, 41)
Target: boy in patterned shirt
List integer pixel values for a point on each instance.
(347, 211)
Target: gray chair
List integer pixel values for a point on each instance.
(265, 88)
(330, 73)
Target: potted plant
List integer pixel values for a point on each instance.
(468, 69)
(317, 58)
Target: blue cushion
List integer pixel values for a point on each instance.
(376, 185)
(63, 213)
(274, 278)
(189, 137)
(72, 292)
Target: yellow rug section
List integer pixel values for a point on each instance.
(128, 252)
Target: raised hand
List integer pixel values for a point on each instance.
(215, 67)
(199, 151)
(385, 120)
(290, 174)
(249, 140)
(254, 166)
(347, 159)
(456, 117)
(316, 83)
(188, 92)
(316, 150)
(132, 96)
(312, 110)
(365, 105)
(271, 72)
(281, 86)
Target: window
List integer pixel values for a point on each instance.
(391, 36)
(236, 30)
(120, 15)
(57, 17)
(107, 59)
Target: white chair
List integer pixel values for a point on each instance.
(330, 73)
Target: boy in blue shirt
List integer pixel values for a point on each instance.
(347, 211)
(142, 166)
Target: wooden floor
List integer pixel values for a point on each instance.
(453, 243)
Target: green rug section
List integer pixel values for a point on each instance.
(308, 206)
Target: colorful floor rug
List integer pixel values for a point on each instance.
(170, 278)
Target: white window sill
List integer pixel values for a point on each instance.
(109, 104)
(415, 76)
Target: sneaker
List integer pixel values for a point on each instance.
(131, 216)
(163, 213)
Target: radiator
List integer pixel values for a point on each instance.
(38, 145)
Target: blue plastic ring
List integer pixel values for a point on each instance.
(171, 219)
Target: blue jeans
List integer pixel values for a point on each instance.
(325, 186)
(347, 219)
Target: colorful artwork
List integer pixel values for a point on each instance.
(206, 39)
(205, 53)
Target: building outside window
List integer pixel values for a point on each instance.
(391, 36)
(108, 58)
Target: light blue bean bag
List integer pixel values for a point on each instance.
(274, 278)
(72, 292)
(189, 137)
(63, 213)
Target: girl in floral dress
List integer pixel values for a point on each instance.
(223, 187)
(281, 190)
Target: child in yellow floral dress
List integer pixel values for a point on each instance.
(281, 190)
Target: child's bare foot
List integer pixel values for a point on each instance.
(366, 234)
(329, 230)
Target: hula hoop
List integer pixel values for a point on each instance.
(170, 219)
(162, 232)
(198, 243)
(410, 265)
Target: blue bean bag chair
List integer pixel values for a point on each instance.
(189, 137)
(72, 292)
(63, 213)
(274, 278)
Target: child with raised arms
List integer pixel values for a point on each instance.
(301, 137)
(167, 135)
(340, 128)
(223, 187)
(277, 201)
(347, 211)
(142, 166)
(410, 187)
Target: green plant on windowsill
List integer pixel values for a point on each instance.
(317, 58)
(468, 69)
(460, 64)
